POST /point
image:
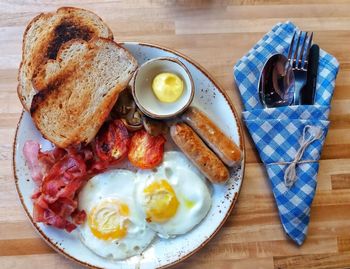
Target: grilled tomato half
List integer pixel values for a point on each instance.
(146, 151)
(112, 142)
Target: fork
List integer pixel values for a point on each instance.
(299, 61)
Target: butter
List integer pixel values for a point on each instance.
(167, 87)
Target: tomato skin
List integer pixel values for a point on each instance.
(146, 151)
(112, 142)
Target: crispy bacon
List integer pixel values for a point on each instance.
(64, 178)
(79, 217)
(60, 174)
(55, 214)
(94, 165)
(63, 173)
(40, 162)
(64, 207)
(48, 158)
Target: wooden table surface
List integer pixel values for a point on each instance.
(215, 34)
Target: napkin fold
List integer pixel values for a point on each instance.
(289, 139)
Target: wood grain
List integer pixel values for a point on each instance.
(215, 34)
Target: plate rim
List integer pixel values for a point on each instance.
(233, 203)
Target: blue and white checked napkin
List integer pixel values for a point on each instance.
(278, 133)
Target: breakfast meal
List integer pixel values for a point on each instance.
(117, 176)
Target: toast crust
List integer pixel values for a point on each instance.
(29, 26)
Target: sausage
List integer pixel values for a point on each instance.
(223, 146)
(195, 149)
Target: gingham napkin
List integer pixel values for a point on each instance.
(287, 137)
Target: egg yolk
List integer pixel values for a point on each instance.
(109, 219)
(161, 201)
(167, 87)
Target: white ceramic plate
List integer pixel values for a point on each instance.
(162, 253)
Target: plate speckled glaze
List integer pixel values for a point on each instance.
(161, 253)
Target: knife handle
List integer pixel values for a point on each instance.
(307, 94)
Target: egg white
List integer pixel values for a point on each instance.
(115, 184)
(189, 185)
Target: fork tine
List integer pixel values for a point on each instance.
(293, 59)
(298, 64)
(291, 46)
(307, 51)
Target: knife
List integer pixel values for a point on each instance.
(307, 93)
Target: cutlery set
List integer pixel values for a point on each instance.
(291, 80)
(287, 118)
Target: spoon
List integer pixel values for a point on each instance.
(276, 83)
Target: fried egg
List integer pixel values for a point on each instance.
(113, 228)
(173, 198)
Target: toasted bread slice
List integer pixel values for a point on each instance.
(79, 89)
(44, 36)
(69, 51)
